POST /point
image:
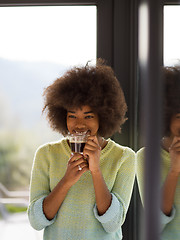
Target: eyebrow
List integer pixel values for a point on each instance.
(70, 111)
(88, 112)
(84, 112)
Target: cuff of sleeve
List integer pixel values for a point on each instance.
(37, 217)
(111, 220)
(111, 212)
(166, 219)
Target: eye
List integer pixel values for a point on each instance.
(71, 116)
(89, 116)
(178, 116)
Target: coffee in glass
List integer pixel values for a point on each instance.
(77, 141)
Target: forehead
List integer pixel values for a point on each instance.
(83, 109)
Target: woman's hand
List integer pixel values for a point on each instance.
(92, 152)
(174, 152)
(170, 184)
(77, 165)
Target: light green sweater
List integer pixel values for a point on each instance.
(77, 218)
(170, 225)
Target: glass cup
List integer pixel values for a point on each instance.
(77, 141)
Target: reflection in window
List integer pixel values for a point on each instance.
(37, 45)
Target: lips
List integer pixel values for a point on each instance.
(82, 131)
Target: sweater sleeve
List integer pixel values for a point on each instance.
(112, 218)
(121, 192)
(166, 219)
(39, 189)
(124, 183)
(36, 215)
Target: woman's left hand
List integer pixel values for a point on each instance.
(92, 152)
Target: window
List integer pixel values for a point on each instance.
(116, 40)
(171, 34)
(34, 51)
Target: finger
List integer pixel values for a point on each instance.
(84, 169)
(92, 143)
(87, 153)
(175, 146)
(78, 162)
(92, 147)
(93, 139)
(79, 167)
(175, 140)
(84, 164)
(75, 157)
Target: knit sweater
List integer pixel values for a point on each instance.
(169, 224)
(77, 218)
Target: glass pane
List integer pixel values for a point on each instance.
(37, 45)
(170, 135)
(171, 34)
(171, 125)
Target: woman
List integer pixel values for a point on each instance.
(170, 154)
(70, 197)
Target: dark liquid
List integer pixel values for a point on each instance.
(77, 147)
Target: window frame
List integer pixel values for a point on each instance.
(117, 29)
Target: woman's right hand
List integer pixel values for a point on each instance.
(174, 152)
(76, 166)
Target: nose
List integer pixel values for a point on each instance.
(80, 125)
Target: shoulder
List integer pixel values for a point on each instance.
(123, 149)
(140, 153)
(140, 160)
(52, 146)
(120, 152)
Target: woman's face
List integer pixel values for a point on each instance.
(82, 120)
(175, 125)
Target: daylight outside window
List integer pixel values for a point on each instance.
(171, 35)
(37, 45)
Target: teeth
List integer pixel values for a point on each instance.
(87, 132)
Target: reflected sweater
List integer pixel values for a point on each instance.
(77, 218)
(169, 224)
